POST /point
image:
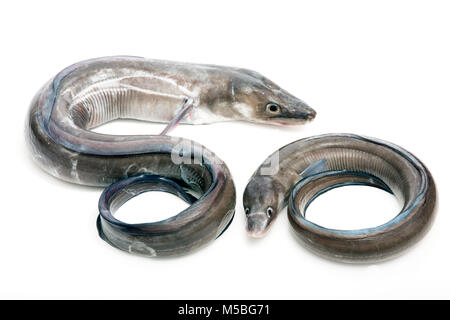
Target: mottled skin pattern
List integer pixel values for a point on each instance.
(93, 92)
(347, 160)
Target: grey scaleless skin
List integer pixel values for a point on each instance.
(93, 92)
(312, 166)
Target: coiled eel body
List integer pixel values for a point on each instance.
(93, 92)
(312, 166)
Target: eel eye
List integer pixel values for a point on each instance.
(273, 108)
(269, 212)
(247, 210)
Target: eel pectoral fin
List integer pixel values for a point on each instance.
(185, 108)
(314, 168)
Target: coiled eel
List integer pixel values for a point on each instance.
(93, 92)
(309, 167)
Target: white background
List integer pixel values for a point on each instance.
(378, 68)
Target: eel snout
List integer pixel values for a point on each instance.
(257, 224)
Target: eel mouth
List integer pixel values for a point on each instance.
(295, 120)
(256, 234)
(300, 119)
(283, 122)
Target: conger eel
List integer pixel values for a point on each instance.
(300, 171)
(93, 92)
